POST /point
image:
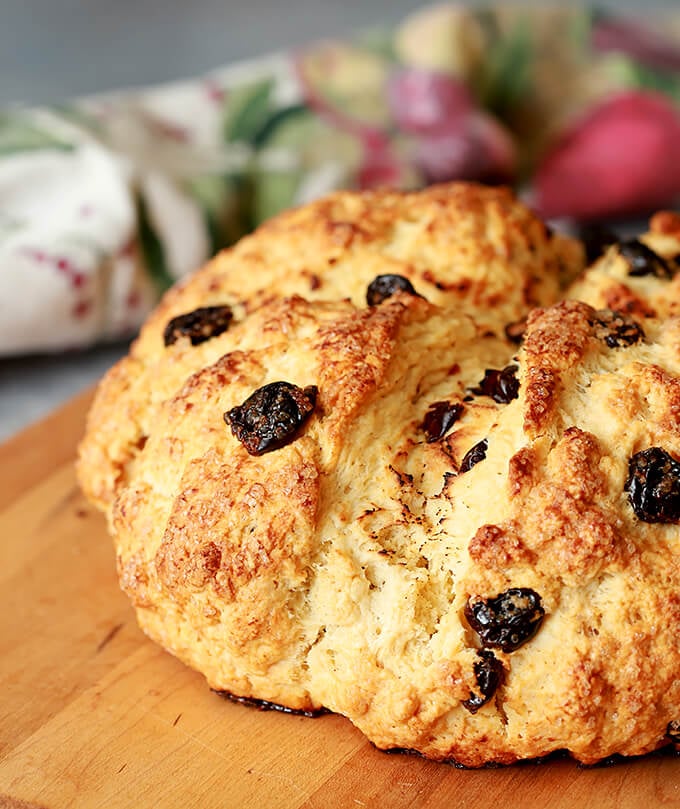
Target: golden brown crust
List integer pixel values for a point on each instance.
(458, 244)
(465, 246)
(666, 222)
(609, 284)
(338, 570)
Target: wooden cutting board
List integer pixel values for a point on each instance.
(93, 714)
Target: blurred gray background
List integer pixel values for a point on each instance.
(54, 49)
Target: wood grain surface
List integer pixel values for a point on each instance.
(92, 714)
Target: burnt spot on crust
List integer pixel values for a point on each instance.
(266, 705)
(383, 287)
(616, 329)
(653, 486)
(515, 331)
(431, 278)
(642, 260)
(474, 456)
(403, 478)
(502, 386)
(343, 233)
(620, 298)
(489, 673)
(439, 419)
(200, 325)
(508, 620)
(271, 416)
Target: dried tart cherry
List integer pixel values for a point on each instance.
(653, 485)
(271, 416)
(200, 325)
(507, 620)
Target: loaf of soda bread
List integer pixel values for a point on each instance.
(377, 459)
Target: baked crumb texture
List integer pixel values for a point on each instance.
(443, 546)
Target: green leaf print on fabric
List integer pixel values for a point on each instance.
(247, 110)
(633, 74)
(580, 29)
(273, 125)
(273, 192)
(152, 248)
(294, 145)
(506, 73)
(222, 202)
(18, 133)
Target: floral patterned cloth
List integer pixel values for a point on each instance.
(107, 201)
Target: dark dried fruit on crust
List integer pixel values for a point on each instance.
(642, 260)
(439, 419)
(199, 325)
(507, 620)
(502, 386)
(616, 329)
(383, 287)
(474, 456)
(271, 416)
(653, 486)
(673, 730)
(489, 673)
(596, 239)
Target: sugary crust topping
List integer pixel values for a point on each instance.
(556, 341)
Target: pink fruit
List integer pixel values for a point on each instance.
(424, 102)
(379, 168)
(619, 160)
(474, 148)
